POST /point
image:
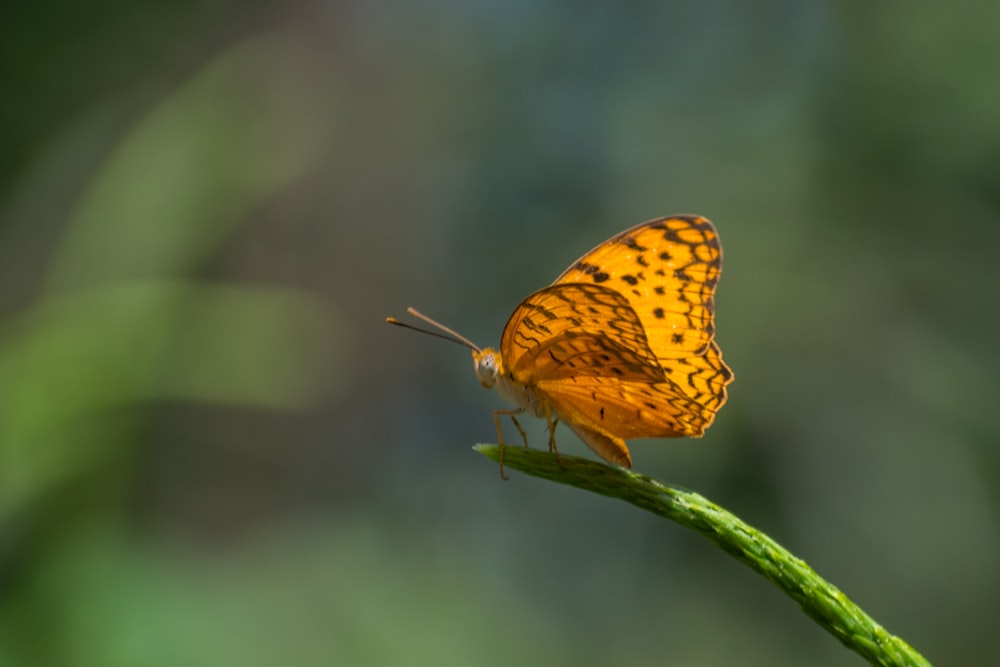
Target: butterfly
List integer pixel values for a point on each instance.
(621, 346)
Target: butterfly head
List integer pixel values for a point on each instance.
(487, 365)
(485, 361)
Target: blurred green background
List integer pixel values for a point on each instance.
(214, 452)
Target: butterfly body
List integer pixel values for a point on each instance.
(531, 398)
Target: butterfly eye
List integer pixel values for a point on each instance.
(486, 368)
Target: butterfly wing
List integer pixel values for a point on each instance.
(621, 345)
(571, 330)
(584, 349)
(667, 269)
(629, 408)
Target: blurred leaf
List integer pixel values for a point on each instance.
(306, 597)
(119, 327)
(73, 358)
(253, 346)
(191, 171)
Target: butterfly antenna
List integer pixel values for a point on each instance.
(453, 336)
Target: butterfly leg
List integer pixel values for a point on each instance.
(552, 422)
(496, 421)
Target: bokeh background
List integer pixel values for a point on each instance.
(214, 452)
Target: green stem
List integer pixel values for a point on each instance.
(821, 601)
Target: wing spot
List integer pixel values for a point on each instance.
(592, 270)
(659, 290)
(677, 338)
(658, 314)
(666, 256)
(630, 279)
(632, 243)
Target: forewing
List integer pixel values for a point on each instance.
(667, 270)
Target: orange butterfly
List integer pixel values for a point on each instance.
(620, 346)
